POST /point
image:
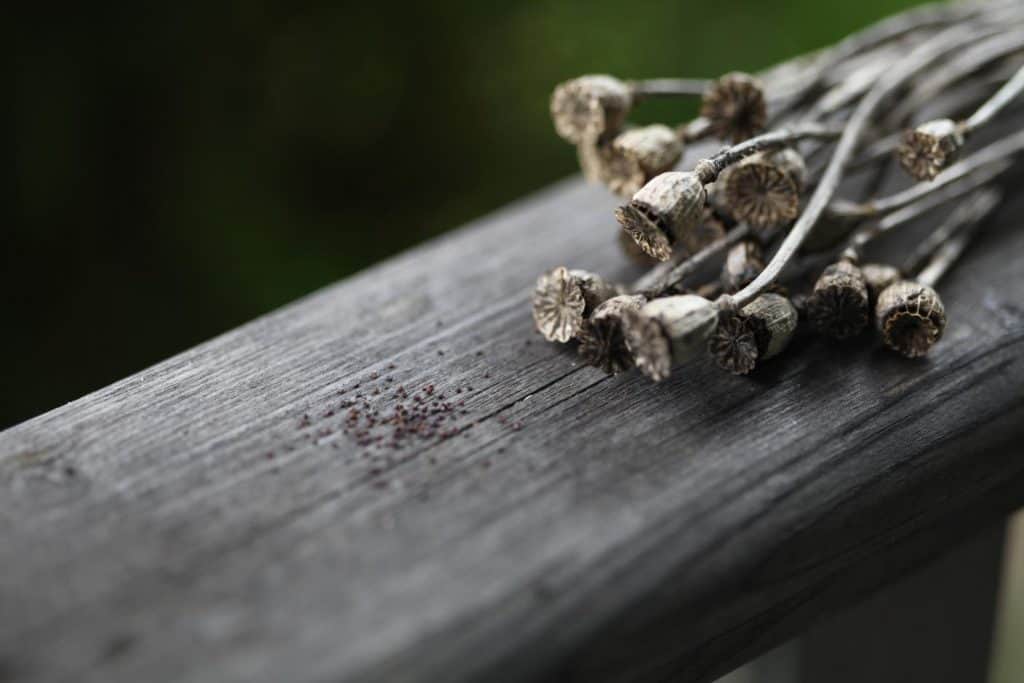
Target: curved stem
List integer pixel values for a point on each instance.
(692, 131)
(949, 251)
(709, 169)
(986, 112)
(971, 211)
(949, 103)
(962, 66)
(922, 205)
(938, 15)
(688, 267)
(919, 58)
(991, 160)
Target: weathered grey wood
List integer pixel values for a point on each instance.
(781, 665)
(935, 625)
(185, 524)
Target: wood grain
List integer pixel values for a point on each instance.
(190, 524)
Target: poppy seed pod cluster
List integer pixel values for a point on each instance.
(749, 246)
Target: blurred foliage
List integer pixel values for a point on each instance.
(181, 168)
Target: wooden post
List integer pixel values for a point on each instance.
(935, 625)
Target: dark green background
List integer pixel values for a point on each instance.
(180, 169)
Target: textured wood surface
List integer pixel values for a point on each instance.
(191, 523)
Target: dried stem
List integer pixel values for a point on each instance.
(956, 101)
(965, 65)
(674, 276)
(709, 169)
(923, 205)
(668, 87)
(990, 160)
(692, 131)
(921, 57)
(951, 239)
(937, 15)
(986, 112)
(969, 212)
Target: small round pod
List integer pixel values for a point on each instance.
(733, 344)
(838, 305)
(773, 319)
(632, 250)
(602, 342)
(735, 107)
(625, 163)
(910, 317)
(590, 107)
(668, 331)
(878, 276)
(743, 263)
(662, 211)
(647, 152)
(763, 190)
(563, 298)
(930, 148)
(792, 163)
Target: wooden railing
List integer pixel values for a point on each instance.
(248, 510)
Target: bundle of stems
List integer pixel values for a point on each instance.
(712, 222)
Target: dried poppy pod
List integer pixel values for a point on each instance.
(792, 163)
(669, 331)
(632, 250)
(733, 344)
(773, 319)
(763, 190)
(563, 298)
(910, 317)
(602, 343)
(632, 158)
(838, 306)
(735, 108)
(930, 148)
(743, 263)
(663, 210)
(590, 107)
(648, 151)
(878, 276)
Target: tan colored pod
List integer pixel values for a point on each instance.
(838, 306)
(563, 298)
(628, 161)
(930, 148)
(668, 331)
(602, 342)
(590, 107)
(743, 262)
(761, 191)
(878, 276)
(663, 210)
(735, 107)
(911, 318)
(773, 319)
